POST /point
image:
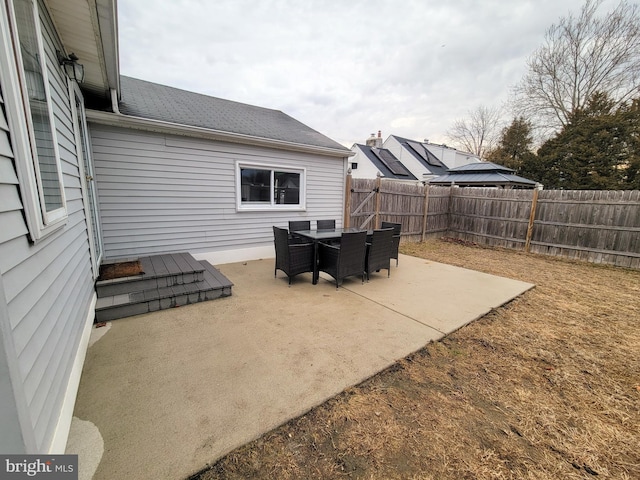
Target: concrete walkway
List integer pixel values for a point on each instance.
(165, 393)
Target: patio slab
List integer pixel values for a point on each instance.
(162, 394)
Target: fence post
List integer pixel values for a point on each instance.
(426, 211)
(532, 217)
(347, 201)
(376, 221)
(449, 209)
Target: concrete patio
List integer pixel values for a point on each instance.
(163, 394)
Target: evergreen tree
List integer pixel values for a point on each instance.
(632, 120)
(514, 146)
(596, 150)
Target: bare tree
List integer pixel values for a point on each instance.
(477, 133)
(579, 57)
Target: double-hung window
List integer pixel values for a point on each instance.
(262, 187)
(46, 207)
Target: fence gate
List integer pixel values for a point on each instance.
(374, 192)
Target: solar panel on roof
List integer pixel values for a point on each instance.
(424, 154)
(433, 160)
(390, 162)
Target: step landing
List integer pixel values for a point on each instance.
(168, 281)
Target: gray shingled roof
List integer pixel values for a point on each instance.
(149, 100)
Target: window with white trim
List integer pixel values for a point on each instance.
(40, 133)
(269, 187)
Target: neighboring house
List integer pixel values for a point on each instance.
(371, 160)
(174, 171)
(484, 174)
(398, 157)
(423, 164)
(451, 157)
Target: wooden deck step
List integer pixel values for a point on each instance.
(168, 281)
(159, 271)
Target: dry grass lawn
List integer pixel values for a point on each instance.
(545, 387)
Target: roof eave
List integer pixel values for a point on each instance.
(89, 28)
(107, 18)
(160, 126)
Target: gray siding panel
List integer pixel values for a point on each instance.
(57, 359)
(11, 438)
(9, 201)
(7, 173)
(48, 286)
(5, 146)
(12, 224)
(165, 193)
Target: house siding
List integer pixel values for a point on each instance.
(47, 286)
(165, 193)
(13, 224)
(366, 168)
(451, 157)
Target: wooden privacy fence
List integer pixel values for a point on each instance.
(421, 211)
(596, 226)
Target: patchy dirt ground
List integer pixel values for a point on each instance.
(545, 387)
(110, 271)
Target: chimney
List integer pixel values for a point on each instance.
(375, 142)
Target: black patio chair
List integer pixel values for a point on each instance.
(298, 225)
(379, 252)
(344, 260)
(326, 224)
(292, 258)
(396, 238)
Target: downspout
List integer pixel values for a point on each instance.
(114, 101)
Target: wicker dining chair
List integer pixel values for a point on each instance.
(379, 252)
(292, 258)
(344, 260)
(396, 238)
(326, 224)
(298, 225)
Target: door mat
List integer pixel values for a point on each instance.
(119, 270)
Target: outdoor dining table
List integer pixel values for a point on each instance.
(325, 235)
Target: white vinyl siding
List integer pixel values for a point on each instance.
(366, 168)
(166, 193)
(47, 286)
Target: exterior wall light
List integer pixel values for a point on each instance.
(72, 68)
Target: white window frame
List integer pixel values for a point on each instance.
(271, 205)
(40, 222)
(89, 196)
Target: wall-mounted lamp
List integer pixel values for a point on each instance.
(72, 68)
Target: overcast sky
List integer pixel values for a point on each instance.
(346, 68)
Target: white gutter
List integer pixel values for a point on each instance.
(114, 102)
(119, 120)
(107, 17)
